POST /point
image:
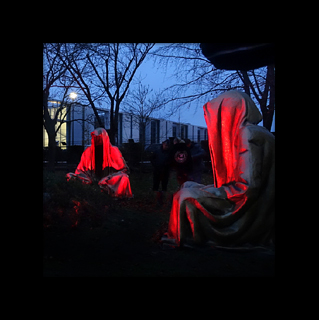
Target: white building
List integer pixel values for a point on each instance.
(80, 121)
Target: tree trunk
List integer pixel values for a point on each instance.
(116, 121)
(112, 128)
(271, 107)
(49, 125)
(267, 118)
(101, 124)
(268, 110)
(142, 127)
(246, 81)
(52, 150)
(112, 132)
(114, 115)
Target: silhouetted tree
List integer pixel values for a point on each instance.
(141, 104)
(53, 71)
(115, 65)
(195, 73)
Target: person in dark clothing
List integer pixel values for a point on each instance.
(197, 154)
(160, 160)
(181, 161)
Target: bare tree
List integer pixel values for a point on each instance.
(53, 71)
(194, 73)
(74, 59)
(105, 70)
(141, 104)
(115, 65)
(262, 84)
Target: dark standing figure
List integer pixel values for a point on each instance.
(181, 161)
(198, 164)
(161, 161)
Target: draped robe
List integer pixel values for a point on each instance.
(239, 206)
(104, 163)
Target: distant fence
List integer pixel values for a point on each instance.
(65, 159)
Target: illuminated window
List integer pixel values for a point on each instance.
(61, 134)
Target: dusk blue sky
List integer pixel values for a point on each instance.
(160, 79)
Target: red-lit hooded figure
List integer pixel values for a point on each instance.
(104, 163)
(239, 207)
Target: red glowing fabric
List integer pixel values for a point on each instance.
(112, 156)
(117, 185)
(239, 206)
(98, 161)
(227, 118)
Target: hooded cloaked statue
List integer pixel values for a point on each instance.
(239, 207)
(104, 163)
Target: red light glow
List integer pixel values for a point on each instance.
(233, 209)
(100, 155)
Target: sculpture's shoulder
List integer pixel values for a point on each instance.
(259, 135)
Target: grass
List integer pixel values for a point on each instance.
(66, 202)
(87, 233)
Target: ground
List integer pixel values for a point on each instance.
(86, 233)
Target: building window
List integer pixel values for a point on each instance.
(184, 131)
(174, 130)
(155, 131)
(60, 138)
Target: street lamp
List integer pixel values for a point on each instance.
(73, 95)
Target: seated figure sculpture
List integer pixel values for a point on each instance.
(104, 163)
(238, 209)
